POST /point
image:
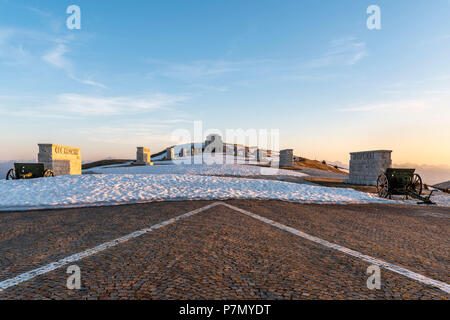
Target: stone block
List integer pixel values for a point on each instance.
(170, 154)
(365, 166)
(143, 156)
(62, 160)
(286, 157)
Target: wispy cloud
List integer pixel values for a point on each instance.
(198, 70)
(220, 75)
(91, 105)
(150, 132)
(12, 53)
(344, 51)
(13, 42)
(88, 82)
(76, 105)
(398, 105)
(57, 58)
(204, 69)
(38, 11)
(223, 75)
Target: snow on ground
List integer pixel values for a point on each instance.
(113, 189)
(440, 198)
(199, 169)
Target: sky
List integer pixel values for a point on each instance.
(138, 70)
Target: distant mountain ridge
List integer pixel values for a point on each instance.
(443, 185)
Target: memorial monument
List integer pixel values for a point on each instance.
(366, 165)
(143, 156)
(62, 160)
(286, 157)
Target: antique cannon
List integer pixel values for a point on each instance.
(401, 182)
(28, 171)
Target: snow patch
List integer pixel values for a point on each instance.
(114, 189)
(199, 169)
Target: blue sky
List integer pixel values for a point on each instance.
(138, 70)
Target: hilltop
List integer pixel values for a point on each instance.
(443, 185)
(299, 163)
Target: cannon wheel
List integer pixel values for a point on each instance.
(416, 184)
(48, 173)
(383, 185)
(11, 175)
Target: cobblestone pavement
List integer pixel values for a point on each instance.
(223, 254)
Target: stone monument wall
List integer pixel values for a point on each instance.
(143, 156)
(62, 160)
(365, 166)
(259, 155)
(286, 157)
(170, 154)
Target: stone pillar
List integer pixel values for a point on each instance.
(62, 160)
(366, 165)
(247, 154)
(259, 155)
(143, 156)
(286, 157)
(170, 154)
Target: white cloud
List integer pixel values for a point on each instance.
(38, 11)
(198, 70)
(407, 105)
(207, 70)
(13, 42)
(88, 82)
(411, 105)
(214, 74)
(344, 51)
(12, 53)
(76, 105)
(90, 105)
(56, 57)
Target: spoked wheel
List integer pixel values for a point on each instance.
(48, 173)
(416, 184)
(11, 175)
(382, 185)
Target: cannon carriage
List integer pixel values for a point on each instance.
(401, 182)
(28, 171)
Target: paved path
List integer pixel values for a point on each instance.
(240, 250)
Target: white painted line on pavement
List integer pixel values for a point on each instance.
(78, 256)
(391, 267)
